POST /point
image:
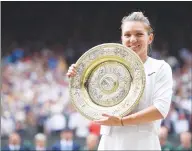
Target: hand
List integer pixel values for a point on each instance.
(109, 120)
(72, 71)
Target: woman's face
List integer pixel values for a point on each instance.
(135, 36)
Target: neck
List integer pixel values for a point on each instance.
(144, 59)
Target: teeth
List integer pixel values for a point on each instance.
(134, 46)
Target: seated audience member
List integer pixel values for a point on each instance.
(40, 142)
(185, 140)
(66, 142)
(14, 143)
(165, 145)
(92, 141)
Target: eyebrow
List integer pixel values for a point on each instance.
(134, 31)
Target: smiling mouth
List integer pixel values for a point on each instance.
(134, 47)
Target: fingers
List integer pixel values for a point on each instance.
(106, 115)
(108, 120)
(74, 65)
(101, 121)
(72, 71)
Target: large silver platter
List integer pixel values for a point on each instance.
(110, 79)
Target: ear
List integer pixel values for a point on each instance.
(151, 37)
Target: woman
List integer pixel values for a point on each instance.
(139, 130)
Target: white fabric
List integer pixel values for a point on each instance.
(80, 123)
(7, 126)
(66, 145)
(158, 92)
(40, 148)
(181, 126)
(14, 147)
(56, 122)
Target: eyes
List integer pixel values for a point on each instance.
(137, 35)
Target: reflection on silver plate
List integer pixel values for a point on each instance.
(110, 79)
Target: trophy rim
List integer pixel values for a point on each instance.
(87, 72)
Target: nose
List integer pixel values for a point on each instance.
(133, 39)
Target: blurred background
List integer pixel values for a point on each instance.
(40, 40)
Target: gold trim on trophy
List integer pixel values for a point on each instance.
(110, 79)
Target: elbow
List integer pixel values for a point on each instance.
(162, 114)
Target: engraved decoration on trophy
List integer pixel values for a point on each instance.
(110, 79)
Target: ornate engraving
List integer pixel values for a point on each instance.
(110, 79)
(106, 83)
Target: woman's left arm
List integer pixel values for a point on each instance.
(144, 116)
(162, 94)
(161, 102)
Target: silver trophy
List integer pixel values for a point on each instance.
(110, 79)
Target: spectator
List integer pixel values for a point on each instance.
(185, 140)
(14, 143)
(165, 145)
(40, 142)
(7, 124)
(181, 124)
(66, 142)
(79, 123)
(94, 128)
(52, 124)
(92, 141)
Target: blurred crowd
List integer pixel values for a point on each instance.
(35, 100)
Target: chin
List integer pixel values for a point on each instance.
(136, 51)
